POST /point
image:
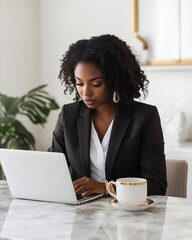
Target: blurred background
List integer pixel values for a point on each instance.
(34, 34)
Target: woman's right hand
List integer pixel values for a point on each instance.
(86, 186)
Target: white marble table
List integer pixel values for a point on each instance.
(168, 218)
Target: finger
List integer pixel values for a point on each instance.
(80, 180)
(84, 190)
(80, 190)
(76, 182)
(80, 185)
(87, 193)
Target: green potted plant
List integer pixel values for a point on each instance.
(35, 105)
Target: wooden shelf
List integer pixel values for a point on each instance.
(165, 68)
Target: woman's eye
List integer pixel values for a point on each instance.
(79, 84)
(96, 84)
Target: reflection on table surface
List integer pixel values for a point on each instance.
(167, 218)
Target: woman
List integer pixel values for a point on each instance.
(106, 134)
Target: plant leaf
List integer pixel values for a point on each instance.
(8, 105)
(37, 105)
(14, 135)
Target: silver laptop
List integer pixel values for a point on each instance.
(40, 176)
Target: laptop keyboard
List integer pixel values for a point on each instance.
(79, 197)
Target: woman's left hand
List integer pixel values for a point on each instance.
(86, 186)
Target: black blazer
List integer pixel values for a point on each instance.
(136, 147)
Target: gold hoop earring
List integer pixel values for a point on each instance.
(116, 97)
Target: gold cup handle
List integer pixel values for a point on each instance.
(110, 188)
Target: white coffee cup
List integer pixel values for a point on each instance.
(130, 191)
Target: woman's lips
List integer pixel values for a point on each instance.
(89, 102)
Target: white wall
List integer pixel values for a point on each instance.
(20, 46)
(170, 91)
(20, 49)
(166, 25)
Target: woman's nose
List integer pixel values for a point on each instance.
(87, 91)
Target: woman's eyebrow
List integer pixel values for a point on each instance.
(89, 79)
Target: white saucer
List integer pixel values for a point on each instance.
(145, 205)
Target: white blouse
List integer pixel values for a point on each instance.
(98, 153)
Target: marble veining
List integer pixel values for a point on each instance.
(168, 218)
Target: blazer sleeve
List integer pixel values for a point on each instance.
(58, 142)
(65, 138)
(152, 157)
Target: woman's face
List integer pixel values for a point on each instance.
(91, 86)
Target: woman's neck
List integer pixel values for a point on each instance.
(105, 111)
(102, 118)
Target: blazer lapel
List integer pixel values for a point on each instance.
(120, 125)
(83, 127)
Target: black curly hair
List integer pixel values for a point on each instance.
(119, 66)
